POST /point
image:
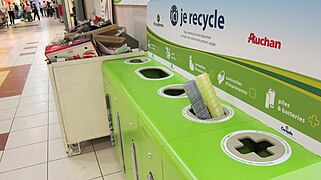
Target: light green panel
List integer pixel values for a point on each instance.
(191, 150)
(308, 172)
(250, 82)
(120, 63)
(150, 156)
(201, 157)
(153, 108)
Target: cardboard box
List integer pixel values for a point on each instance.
(130, 41)
(76, 28)
(69, 36)
(108, 30)
(78, 49)
(110, 40)
(117, 41)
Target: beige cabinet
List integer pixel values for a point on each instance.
(79, 94)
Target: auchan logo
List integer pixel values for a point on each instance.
(264, 41)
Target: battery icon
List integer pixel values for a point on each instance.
(269, 99)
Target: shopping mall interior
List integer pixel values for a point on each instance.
(159, 89)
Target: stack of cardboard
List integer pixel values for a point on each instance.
(108, 36)
(102, 41)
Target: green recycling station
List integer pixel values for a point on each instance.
(262, 60)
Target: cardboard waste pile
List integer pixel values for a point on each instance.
(87, 41)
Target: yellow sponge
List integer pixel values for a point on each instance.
(208, 93)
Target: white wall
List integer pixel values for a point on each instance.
(134, 19)
(97, 7)
(90, 8)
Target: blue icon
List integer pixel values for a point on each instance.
(173, 15)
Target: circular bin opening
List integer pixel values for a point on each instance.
(137, 61)
(257, 148)
(190, 115)
(172, 91)
(154, 73)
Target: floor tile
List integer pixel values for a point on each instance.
(5, 126)
(53, 117)
(23, 157)
(38, 73)
(33, 42)
(50, 90)
(37, 79)
(27, 53)
(26, 58)
(42, 72)
(36, 172)
(54, 131)
(115, 176)
(28, 122)
(57, 151)
(26, 137)
(97, 178)
(31, 47)
(32, 85)
(5, 63)
(15, 81)
(5, 51)
(29, 161)
(28, 50)
(38, 60)
(3, 76)
(3, 140)
(22, 61)
(86, 146)
(30, 110)
(6, 114)
(30, 100)
(51, 97)
(52, 106)
(8, 98)
(83, 166)
(102, 143)
(108, 161)
(39, 68)
(35, 91)
(10, 102)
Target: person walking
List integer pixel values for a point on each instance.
(10, 9)
(53, 9)
(23, 11)
(35, 12)
(44, 6)
(49, 10)
(55, 5)
(28, 11)
(41, 9)
(3, 19)
(16, 10)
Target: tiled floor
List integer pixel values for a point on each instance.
(14, 81)
(31, 146)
